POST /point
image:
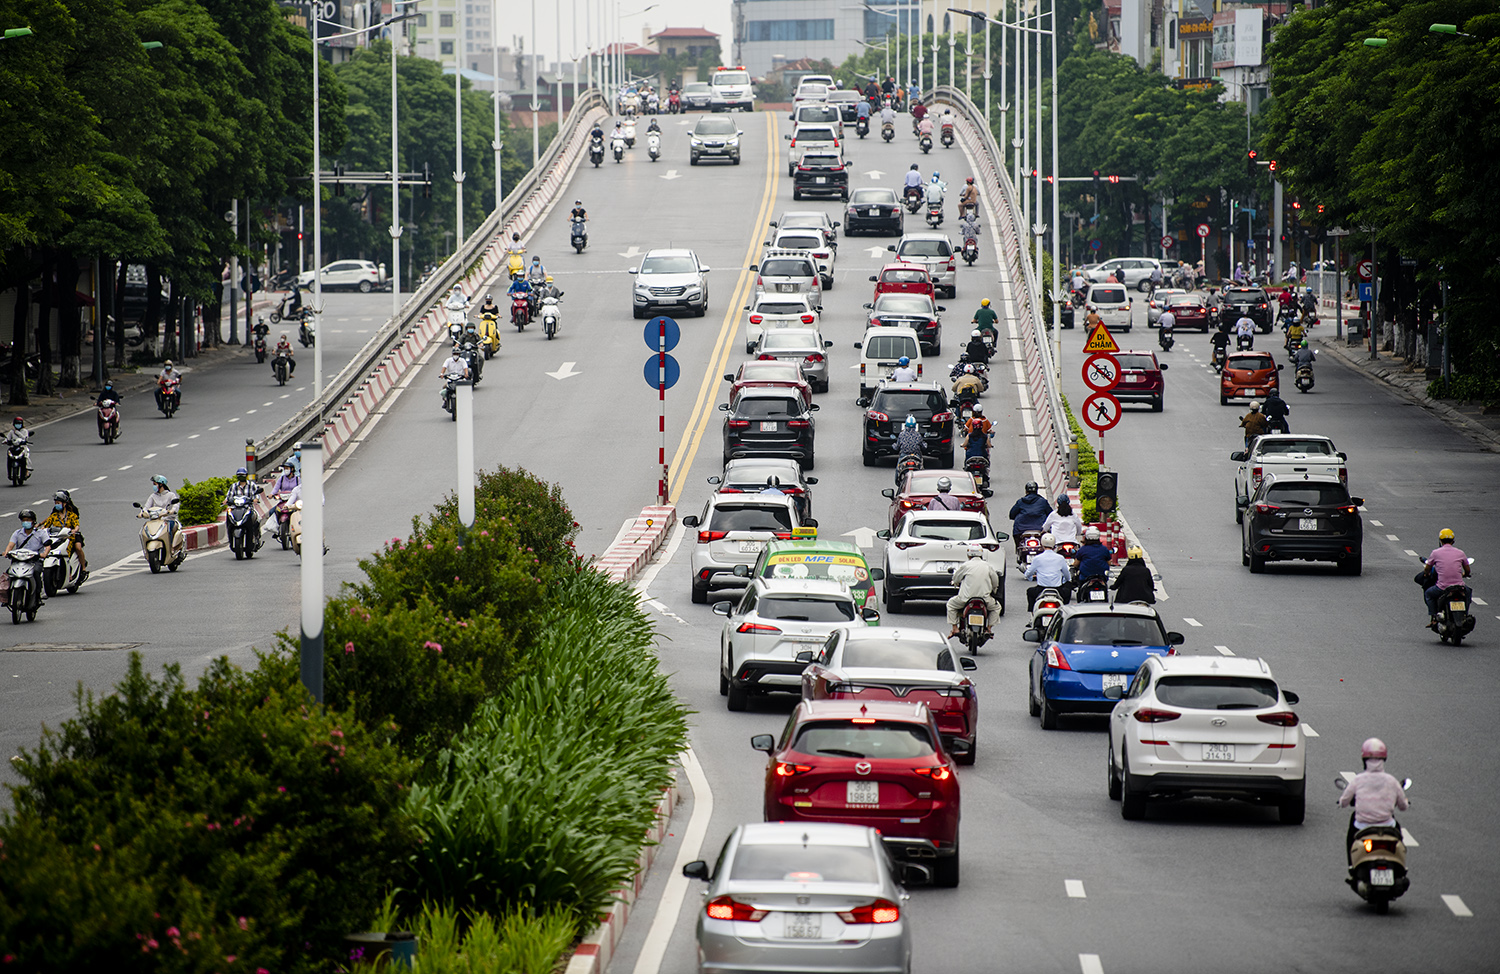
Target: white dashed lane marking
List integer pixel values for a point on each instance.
(1479, 601)
(97, 479)
(268, 404)
(1193, 622)
(1409, 839)
(1223, 650)
(127, 466)
(237, 419)
(148, 456)
(1089, 964)
(1392, 537)
(195, 436)
(1074, 888)
(171, 445)
(212, 428)
(1456, 904)
(1376, 523)
(1412, 553)
(248, 412)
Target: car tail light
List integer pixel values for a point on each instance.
(1157, 743)
(1284, 718)
(942, 417)
(989, 545)
(766, 357)
(1348, 509)
(813, 359)
(1344, 476)
(739, 424)
(758, 281)
(954, 692)
(835, 143)
(1255, 475)
(809, 319)
(794, 143)
(940, 772)
(950, 263)
(783, 535)
(1262, 507)
(756, 627)
(881, 911)
(903, 545)
(843, 688)
(704, 537)
(756, 319)
(804, 169)
(785, 770)
(822, 256)
(877, 416)
(729, 908)
(730, 490)
(861, 368)
(1149, 715)
(1055, 660)
(798, 424)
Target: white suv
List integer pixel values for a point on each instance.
(732, 530)
(926, 548)
(812, 241)
(777, 621)
(1206, 726)
(357, 275)
(819, 140)
(669, 279)
(1130, 271)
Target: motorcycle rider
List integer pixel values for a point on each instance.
(969, 198)
(977, 433)
(944, 500)
(1254, 425)
(1029, 513)
(286, 481)
(28, 535)
(294, 302)
(1220, 341)
(1134, 583)
(651, 126)
(1049, 570)
(107, 394)
(455, 366)
(65, 514)
(977, 350)
(1374, 795)
(773, 487)
(1309, 302)
(1092, 318)
(945, 120)
(1093, 557)
(913, 178)
(935, 189)
(909, 441)
(457, 304)
(520, 286)
(968, 384)
(985, 321)
(903, 372)
(489, 307)
(1062, 523)
(976, 579)
(923, 125)
(168, 377)
(1451, 567)
(578, 212)
(284, 347)
(1305, 356)
(919, 112)
(1275, 411)
(1244, 331)
(165, 498)
(18, 434)
(862, 112)
(1166, 323)
(1295, 334)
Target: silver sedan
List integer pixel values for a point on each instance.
(796, 896)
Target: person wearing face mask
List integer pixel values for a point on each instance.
(65, 514)
(18, 434)
(28, 535)
(165, 498)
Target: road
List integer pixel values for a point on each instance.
(1054, 879)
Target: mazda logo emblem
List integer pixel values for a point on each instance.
(862, 767)
(804, 900)
(1219, 722)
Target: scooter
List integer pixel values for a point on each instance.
(888, 130)
(596, 151)
(924, 142)
(1377, 861)
(617, 146)
(974, 615)
(551, 316)
(1048, 604)
(914, 198)
(283, 515)
(979, 466)
(294, 527)
(450, 403)
(653, 145)
(904, 464)
(62, 568)
(1165, 340)
(284, 309)
(18, 463)
(1069, 551)
(1220, 356)
(25, 595)
(579, 237)
(155, 545)
(489, 332)
(108, 420)
(1244, 343)
(520, 311)
(1094, 589)
(168, 395)
(515, 262)
(970, 252)
(1304, 378)
(469, 352)
(261, 330)
(935, 214)
(243, 526)
(305, 335)
(674, 104)
(629, 132)
(947, 137)
(862, 127)
(1029, 547)
(1455, 614)
(281, 367)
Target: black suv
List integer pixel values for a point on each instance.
(769, 423)
(825, 175)
(886, 410)
(1249, 301)
(1303, 520)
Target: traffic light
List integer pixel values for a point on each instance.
(1250, 162)
(1096, 184)
(1320, 209)
(1107, 492)
(1273, 166)
(338, 176)
(426, 181)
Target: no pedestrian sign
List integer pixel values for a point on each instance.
(1100, 340)
(1101, 411)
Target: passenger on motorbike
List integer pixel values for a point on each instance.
(1374, 795)
(30, 536)
(944, 500)
(1093, 557)
(1029, 513)
(1275, 411)
(1294, 334)
(1134, 582)
(908, 441)
(1451, 566)
(903, 372)
(968, 384)
(18, 434)
(977, 350)
(976, 579)
(284, 347)
(977, 434)
(1254, 425)
(65, 514)
(165, 498)
(166, 381)
(918, 112)
(985, 320)
(1062, 523)
(1049, 570)
(969, 197)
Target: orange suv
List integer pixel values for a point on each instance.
(1248, 375)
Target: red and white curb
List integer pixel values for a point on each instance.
(629, 556)
(201, 536)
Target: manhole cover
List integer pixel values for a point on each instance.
(67, 647)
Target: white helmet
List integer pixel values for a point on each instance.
(1048, 541)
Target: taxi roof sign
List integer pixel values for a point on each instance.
(1100, 340)
(805, 532)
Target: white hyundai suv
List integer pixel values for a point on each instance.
(1206, 726)
(732, 530)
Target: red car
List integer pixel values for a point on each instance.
(903, 279)
(768, 374)
(918, 487)
(894, 664)
(1192, 311)
(1248, 375)
(878, 764)
(1141, 379)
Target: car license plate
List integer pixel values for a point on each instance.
(822, 179)
(803, 926)
(746, 546)
(1382, 877)
(1307, 524)
(945, 566)
(1115, 680)
(1218, 752)
(872, 212)
(862, 792)
(1458, 606)
(768, 426)
(1130, 378)
(786, 287)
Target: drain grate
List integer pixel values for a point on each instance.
(67, 647)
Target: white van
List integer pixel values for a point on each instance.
(1115, 306)
(880, 351)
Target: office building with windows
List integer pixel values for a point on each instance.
(771, 32)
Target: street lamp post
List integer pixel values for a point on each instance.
(395, 228)
(458, 124)
(497, 144)
(536, 129)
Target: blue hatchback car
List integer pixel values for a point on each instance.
(1086, 649)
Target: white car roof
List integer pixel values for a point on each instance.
(889, 330)
(796, 833)
(1192, 665)
(780, 297)
(923, 235)
(749, 500)
(670, 252)
(885, 633)
(976, 516)
(782, 585)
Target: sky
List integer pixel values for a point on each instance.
(711, 14)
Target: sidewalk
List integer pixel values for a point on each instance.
(1410, 383)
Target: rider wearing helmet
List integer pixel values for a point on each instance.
(1029, 513)
(578, 212)
(944, 500)
(1049, 570)
(975, 579)
(935, 188)
(909, 441)
(29, 535)
(65, 514)
(164, 497)
(1374, 795)
(1449, 567)
(1093, 557)
(976, 433)
(985, 321)
(773, 487)
(1062, 523)
(19, 435)
(977, 350)
(970, 196)
(903, 372)
(968, 385)
(1134, 582)
(1304, 357)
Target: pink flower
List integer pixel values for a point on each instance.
(96, 847)
(173, 932)
(427, 546)
(281, 789)
(152, 943)
(435, 647)
(244, 923)
(230, 959)
(349, 647)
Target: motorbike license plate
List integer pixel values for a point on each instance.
(1115, 680)
(768, 426)
(803, 926)
(747, 546)
(862, 792)
(1218, 752)
(975, 619)
(822, 179)
(1096, 595)
(786, 287)
(1382, 877)
(1307, 524)
(1458, 607)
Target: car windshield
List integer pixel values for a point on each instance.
(714, 126)
(669, 265)
(821, 133)
(921, 404)
(1258, 363)
(1266, 447)
(1103, 630)
(904, 304)
(746, 517)
(843, 96)
(925, 481)
(1189, 301)
(787, 340)
(1135, 361)
(697, 88)
(771, 372)
(868, 196)
(925, 248)
(799, 243)
(877, 739)
(766, 408)
(1307, 494)
(890, 346)
(805, 608)
(1244, 297)
(847, 568)
(803, 863)
(732, 78)
(1217, 692)
(812, 91)
(753, 472)
(786, 267)
(947, 529)
(893, 654)
(1165, 296)
(904, 275)
(781, 308)
(1107, 295)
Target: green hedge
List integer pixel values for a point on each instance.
(1466, 388)
(203, 502)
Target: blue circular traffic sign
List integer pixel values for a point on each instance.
(654, 376)
(1095, 244)
(654, 334)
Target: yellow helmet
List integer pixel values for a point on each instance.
(1445, 535)
(1135, 552)
(549, 278)
(985, 303)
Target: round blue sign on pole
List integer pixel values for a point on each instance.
(1095, 244)
(654, 333)
(654, 371)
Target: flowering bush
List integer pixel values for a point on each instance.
(543, 521)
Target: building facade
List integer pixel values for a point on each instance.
(769, 33)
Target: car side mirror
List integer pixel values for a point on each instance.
(967, 663)
(772, 223)
(723, 407)
(915, 874)
(872, 278)
(754, 267)
(959, 748)
(740, 571)
(1357, 501)
(869, 614)
(889, 492)
(1344, 457)
(763, 742)
(986, 492)
(697, 869)
(1114, 693)
(847, 165)
(691, 521)
(1002, 536)
(716, 480)
(1175, 639)
(1239, 456)
(763, 243)
(862, 402)
(941, 308)
(728, 376)
(705, 269)
(805, 656)
(723, 608)
(632, 270)
(809, 522)
(837, 224)
(868, 307)
(747, 307)
(859, 344)
(877, 574)
(810, 481)
(1032, 636)
(815, 407)
(883, 534)
(1279, 367)
(1291, 697)
(787, 137)
(827, 343)
(1163, 366)
(891, 248)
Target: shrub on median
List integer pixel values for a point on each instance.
(203, 502)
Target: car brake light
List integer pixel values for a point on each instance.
(881, 911)
(877, 416)
(1349, 509)
(729, 908)
(954, 692)
(730, 490)
(939, 773)
(808, 319)
(758, 281)
(738, 424)
(951, 263)
(766, 357)
(1284, 718)
(1056, 660)
(783, 535)
(814, 358)
(704, 537)
(804, 169)
(942, 417)
(786, 770)
(1255, 473)
(1262, 507)
(989, 546)
(822, 256)
(756, 319)
(835, 143)
(754, 627)
(1344, 476)
(794, 143)
(903, 545)
(798, 424)
(1147, 715)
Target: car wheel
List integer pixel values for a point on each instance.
(1048, 714)
(1244, 551)
(1031, 704)
(1293, 808)
(867, 457)
(796, 194)
(945, 871)
(736, 160)
(364, 287)
(1114, 781)
(809, 464)
(723, 681)
(1132, 803)
(1353, 565)
(1239, 515)
(1257, 563)
(972, 756)
(1223, 400)
(1145, 286)
(639, 314)
(828, 283)
(739, 697)
(823, 387)
(893, 601)
(1157, 403)
(693, 161)
(700, 593)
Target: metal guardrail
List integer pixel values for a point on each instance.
(310, 420)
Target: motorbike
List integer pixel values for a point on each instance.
(489, 333)
(1455, 613)
(1220, 356)
(1029, 547)
(1048, 603)
(62, 568)
(294, 528)
(1244, 343)
(974, 615)
(617, 146)
(108, 420)
(947, 137)
(579, 237)
(1304, 378)
(155, 545)
(283, 515)
(285, 310)
(653, 145)
(970, 250)
(1069, 551)
(168, 395)
(862, 127)
(674, 104)
(18, 463)
(551, 317)
(924, 142)
(450, 403)
(305, 335)
(282, 367)
(515, 262)
(260, 331)
(888, 130)
(629, 133)
(25, 593)
(596, 151)
(1095, 588)
(1165, 340)
(979, 466)
(935, 214)
(1377, 861)
(914, 198)
(910, 461)
(469, 352)
(243, 526)
(520, 311)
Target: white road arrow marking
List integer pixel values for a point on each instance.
(670, 174)
(864, 537)
(634, 251)
(566, 371)
(874, 174)
(875, 251)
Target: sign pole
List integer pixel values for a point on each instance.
(312, 569)
(464, 406)
(661, 395)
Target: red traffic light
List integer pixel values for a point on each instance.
(1251, 153)
(1114, 179)
(1273, 165)
(1320, 207)
(1296, 204)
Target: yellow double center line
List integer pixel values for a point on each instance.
(692, 435)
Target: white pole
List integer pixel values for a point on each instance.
(395, 190)
(496, 143)
(1023, 79)
(458, 125)
(464, 389)
(1056, 213)
(312, 568)
(234, 270)
(952, 43)
(317, 306)
(969, 61)
(536, 129)
(557, 86)
(1037, 210)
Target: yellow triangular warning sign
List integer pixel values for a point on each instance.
(1100, 340)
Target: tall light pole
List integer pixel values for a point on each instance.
(536, 129)
(497, 144)
(395, 228)
(458, 125)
